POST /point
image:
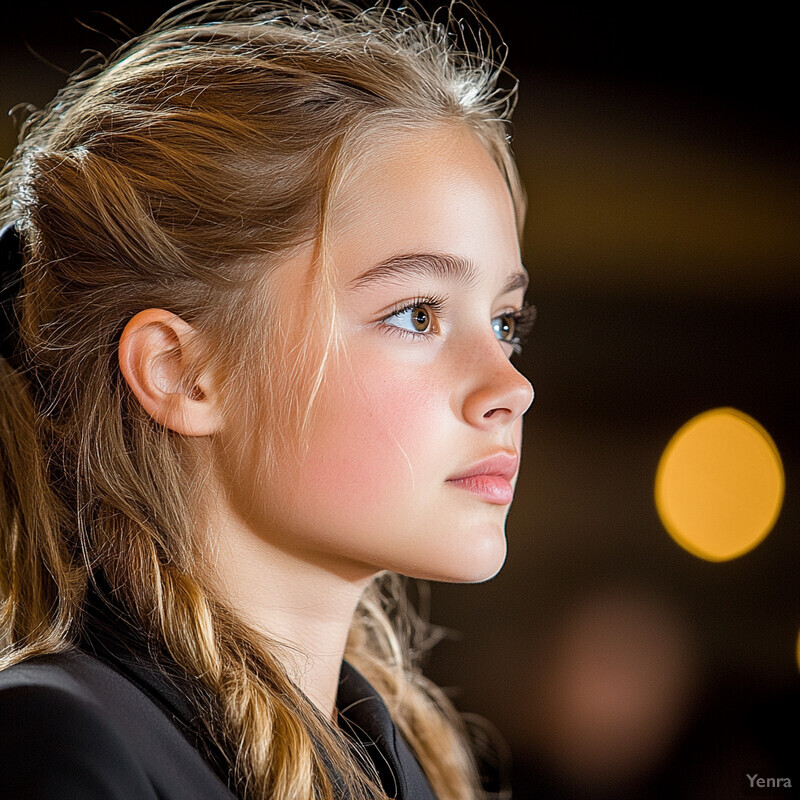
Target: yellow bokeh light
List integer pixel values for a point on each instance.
(719, 484)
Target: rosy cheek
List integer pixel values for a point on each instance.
(373, 435)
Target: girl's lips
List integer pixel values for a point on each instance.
(489, 479)
(491, 488)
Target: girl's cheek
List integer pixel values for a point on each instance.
(376, 436)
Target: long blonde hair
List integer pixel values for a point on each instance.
(175, 175)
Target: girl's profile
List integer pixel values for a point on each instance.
(261, 288)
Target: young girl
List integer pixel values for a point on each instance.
(261, 285)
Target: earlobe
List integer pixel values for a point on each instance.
(157, 352)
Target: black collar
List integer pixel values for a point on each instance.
(364, 718)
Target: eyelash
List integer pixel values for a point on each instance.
(523, 319)
(434, 303)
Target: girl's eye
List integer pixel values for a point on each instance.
(505, 328)
(418, 318)
(512, 327)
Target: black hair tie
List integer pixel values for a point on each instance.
(10, 280)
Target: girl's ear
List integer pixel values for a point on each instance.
(155, 356)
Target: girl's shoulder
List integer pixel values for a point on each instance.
(57, 739)
(74, 727)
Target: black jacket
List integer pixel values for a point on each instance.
(85, 725)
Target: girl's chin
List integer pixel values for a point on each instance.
(469, 565)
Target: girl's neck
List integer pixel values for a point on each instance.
(305, 606)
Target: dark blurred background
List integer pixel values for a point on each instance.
(660, 151)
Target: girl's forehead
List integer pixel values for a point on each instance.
(423, 192)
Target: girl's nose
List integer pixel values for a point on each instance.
(500, 393)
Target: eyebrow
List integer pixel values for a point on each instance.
(425, 265)
(519, 280)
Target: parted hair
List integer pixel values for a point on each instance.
(176, 174)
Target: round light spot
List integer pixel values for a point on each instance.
(719, 485)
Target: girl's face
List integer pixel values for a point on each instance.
(413, 444)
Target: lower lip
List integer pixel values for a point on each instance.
(491, 488)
